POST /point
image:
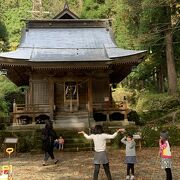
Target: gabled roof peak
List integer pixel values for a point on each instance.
(66, 13)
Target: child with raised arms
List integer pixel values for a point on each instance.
(100, 156)
(130, 158)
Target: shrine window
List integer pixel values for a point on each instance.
(71, 90)
(40, 92)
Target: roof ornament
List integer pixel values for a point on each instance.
(66, 13)
(66, 6)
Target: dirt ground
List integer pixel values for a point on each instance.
(78, 166)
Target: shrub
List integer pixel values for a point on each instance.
(151, 135)
(2, 126)
(154, 106)
(133, 116)
(25, 144)
(177, 117)
(116, 143)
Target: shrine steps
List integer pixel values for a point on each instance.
(74, 141)
(71, 120)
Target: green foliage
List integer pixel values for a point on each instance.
(161, 102)
(174, 134)
(116, 143)
(131, 129)
(3, 37)
(152, 106)
(144, 72)
(119, 93)
(3, 107)
(93, 9)
(142, 25)
(177, 117)
(151, 134)
(26, 139)
(2, 126)
(137, 25)
(16, 95)
(52, 8)
(25, 143)
(133, 116)
(6, 88)
(13, 13)
(4, 134)
(6, 85)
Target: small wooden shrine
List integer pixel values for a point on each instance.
(69, 65)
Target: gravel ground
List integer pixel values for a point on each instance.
(78, 165)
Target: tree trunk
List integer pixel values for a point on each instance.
(160, 79)
(171, 71)
(141, 84)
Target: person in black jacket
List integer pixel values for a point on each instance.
(48, 137)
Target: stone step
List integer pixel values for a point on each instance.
(74, 141)
(71, 113)
(64, 125)
(71, 118)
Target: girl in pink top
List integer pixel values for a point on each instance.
(165, 154)
(61, 143)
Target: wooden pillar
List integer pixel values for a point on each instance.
(31, 103)
(51, 97)
(107, 103)
(126, 122)
(30, 92)
(14, 112)
(90, 96)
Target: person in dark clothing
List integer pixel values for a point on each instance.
(48, 137)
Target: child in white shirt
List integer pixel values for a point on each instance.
(100, 156)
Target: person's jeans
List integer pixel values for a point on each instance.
(48, 154)
(106, 169)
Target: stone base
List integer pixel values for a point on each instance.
(125, 122)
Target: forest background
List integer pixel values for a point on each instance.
(153, 88)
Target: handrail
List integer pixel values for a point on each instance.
(31, 108)
(102, 106)
(110, 105)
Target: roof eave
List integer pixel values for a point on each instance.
(134, 58)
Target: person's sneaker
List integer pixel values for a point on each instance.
(127, 177)
(44, 164)
(56, 161)
(132, 177)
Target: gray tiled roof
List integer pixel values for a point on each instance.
(68, 44)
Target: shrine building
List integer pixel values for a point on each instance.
(69, 66)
